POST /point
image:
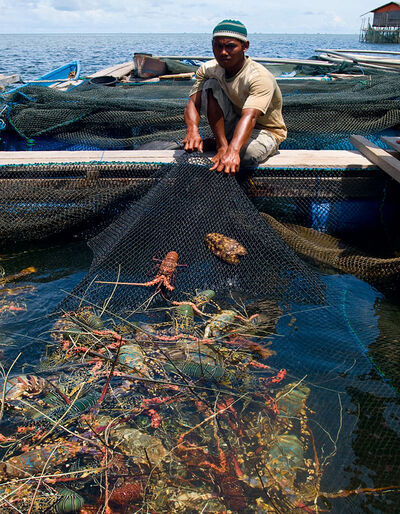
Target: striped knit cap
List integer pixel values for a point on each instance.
(231, 28)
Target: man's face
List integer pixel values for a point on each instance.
(229, 52)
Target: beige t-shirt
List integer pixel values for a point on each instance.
(253, 87)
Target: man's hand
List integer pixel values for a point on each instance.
(226, 161)
(193, 141)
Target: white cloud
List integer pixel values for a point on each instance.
(308, 16)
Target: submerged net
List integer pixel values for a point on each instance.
(230, 376)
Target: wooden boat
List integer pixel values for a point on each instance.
(6, 80)
(281, 68)
(62, 78)
(148, 68)
(119, 71)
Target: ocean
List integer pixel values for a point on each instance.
(32, 55)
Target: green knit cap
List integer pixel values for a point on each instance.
(231, 28)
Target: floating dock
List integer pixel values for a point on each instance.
(296, 159)
(356, 177)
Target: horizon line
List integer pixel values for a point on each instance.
(181, 33)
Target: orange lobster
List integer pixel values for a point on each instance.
(165, 274)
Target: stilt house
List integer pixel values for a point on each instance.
(381, 25)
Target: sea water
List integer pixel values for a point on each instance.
(32, 55)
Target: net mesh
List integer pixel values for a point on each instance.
(318, 114)
(318, 326)
(204, 364)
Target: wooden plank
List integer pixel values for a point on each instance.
(118, 70)
(179, 76)
(378, 156)
(356, 51)
(275, 60)
(393, 142)
(332, 159)
(89, 156)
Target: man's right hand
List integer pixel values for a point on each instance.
(193, 141)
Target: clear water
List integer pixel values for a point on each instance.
(346, 357)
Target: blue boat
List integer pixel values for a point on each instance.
(63, 74)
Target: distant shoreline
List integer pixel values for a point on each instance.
(172, 33)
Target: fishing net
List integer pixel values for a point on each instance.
(318, 114)
(204, 364)
(228, 375)
(41, 202)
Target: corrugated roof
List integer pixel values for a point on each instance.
(380, 7)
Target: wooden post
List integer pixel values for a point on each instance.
(377, 156)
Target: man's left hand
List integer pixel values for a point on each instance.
(228, 162)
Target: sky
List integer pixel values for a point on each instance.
(177, 16)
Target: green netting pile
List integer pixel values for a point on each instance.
(318, 114)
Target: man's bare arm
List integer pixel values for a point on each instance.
(229, 162)
(193, 139)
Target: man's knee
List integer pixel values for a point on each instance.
(258, 149)
(214, 94)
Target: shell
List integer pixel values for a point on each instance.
(291, 400)
(132, 356)
(69, 501)
(203, 297)
(23, 385)
(198, 370)
(226, 248)
(220, 323)
(130, 491)
(33, 461)
(138, 445)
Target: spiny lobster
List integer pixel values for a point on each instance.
(165, 274)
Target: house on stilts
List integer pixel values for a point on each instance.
(381, 25)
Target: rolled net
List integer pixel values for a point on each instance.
(318, 114)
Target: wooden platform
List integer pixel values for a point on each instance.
(393, 142)
(330, 159)
(378, 156)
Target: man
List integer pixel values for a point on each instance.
(241, 100)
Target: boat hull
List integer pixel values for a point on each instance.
(67, 73)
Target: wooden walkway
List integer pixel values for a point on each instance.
(330, 159)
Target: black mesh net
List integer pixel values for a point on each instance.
(41, 202)
(318, 114)
(205, 363)
(277, 333)
(176, 215)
